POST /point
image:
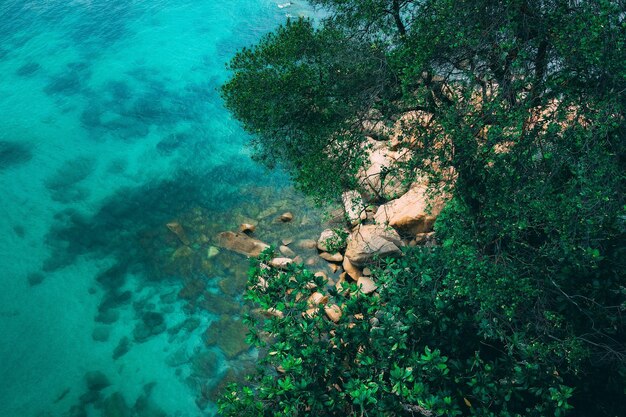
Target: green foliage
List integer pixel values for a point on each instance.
(519, 312)
(339, 240)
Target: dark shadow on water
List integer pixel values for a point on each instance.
(125, 224)
(174, 141)
(14, 153)
(64, 185)
(66, 83)
(28, 69)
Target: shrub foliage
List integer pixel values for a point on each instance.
(519, 311)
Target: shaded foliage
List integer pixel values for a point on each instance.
(519, 106)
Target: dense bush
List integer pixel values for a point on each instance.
(519, 311)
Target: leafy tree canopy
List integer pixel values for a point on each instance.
(524, 102)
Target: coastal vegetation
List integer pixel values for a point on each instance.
(506, 119)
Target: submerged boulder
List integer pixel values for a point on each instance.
(241, 243)
(229, 335)
(96, 381)
(176, 228)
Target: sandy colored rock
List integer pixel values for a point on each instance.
(333, 312)
(287, 241)
(321, 274)
(425, 239)
(331, 257)
(367, 272)
(212, 251)
(334, 267)
(307, 244)
(176, 228)
(281, 263)
(317, 298)
(414, 212)
(247, 228)
(369, 241)
(285, 250)
(380, 177)
(273, 312)
(354, 207)
(241, 243)
(286, 217)
(352, 270)
(366, 284)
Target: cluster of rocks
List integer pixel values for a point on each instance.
(99, 396)
(369, 232)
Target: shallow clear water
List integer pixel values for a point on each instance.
(111, 128)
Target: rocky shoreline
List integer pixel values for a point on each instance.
(374, 222)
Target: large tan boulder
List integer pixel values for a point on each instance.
(369, 241)
(380, 177)
(280, 263)
(415, 212)
(241, 243)
(354, 207)
(354, 272)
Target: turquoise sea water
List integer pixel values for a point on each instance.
(111, 128)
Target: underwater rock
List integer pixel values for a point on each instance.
(172, 142)
(27, 69)
(182, 253)
(219, 305)
(151, 324)
(331, 257)
(114, 299)
(212, 252)
(241, 243)
(35, 278)
(101, 334)
(233, 285)
(96, 381)
(189, 324)
(267, 213)
(122, 348)
(229, 335)
(192, 289)
(14, 153)
(306, 244)
(204, 365)
(176, 228)
(107, 316)
(285, 250)
(178, 358)
(280, 263)
(286, 217)
(115, 406)
(247, 228)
